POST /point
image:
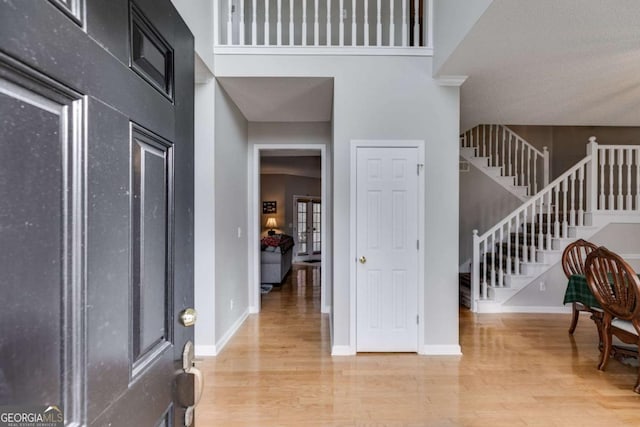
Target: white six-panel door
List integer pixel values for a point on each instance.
(387, 249)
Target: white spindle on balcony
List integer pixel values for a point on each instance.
(316, 25)
(392, 25)
(293, 23)
(328, 43)
(291, 29)
(366, 23)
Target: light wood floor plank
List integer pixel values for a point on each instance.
(516, 370)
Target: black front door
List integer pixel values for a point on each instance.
(96, 209)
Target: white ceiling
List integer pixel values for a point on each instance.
(281, 99)
(551, 62)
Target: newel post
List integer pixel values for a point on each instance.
(545, 171)
(475, 272)
(592, 178)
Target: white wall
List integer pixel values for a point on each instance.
(453, 19)
(483, 202)
(386, 98)
(198, 15)
(231, 216)
(204, 213)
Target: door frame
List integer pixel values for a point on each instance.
(380, 143)
(255, 225)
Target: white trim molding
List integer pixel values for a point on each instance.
(254, 225)
(323, 50)
(441, 350)
(343, 350)
(224, 340)
(206, 350)
(455, 81)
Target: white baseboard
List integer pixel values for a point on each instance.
(205, 350)
(343, 350)
(231, 331)
(535, 309)
(441, 350)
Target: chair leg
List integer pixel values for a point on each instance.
(606, 342)
(637, 386)
(575, 313)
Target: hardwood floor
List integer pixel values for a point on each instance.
(517, 370)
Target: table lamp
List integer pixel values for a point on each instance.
(271, 224)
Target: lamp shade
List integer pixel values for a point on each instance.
(271, 223)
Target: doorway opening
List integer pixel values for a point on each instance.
(289, 220)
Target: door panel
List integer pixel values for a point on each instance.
(40, 135)
(386, 245)
(92, 154)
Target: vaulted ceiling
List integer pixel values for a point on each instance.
(551, 62)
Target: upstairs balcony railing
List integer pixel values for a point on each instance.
(374, 26)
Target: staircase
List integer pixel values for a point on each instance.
(603, 187)
(507, 158)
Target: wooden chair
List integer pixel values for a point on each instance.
(617, 288)
(573, 259)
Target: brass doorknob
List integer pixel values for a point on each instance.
(363, 259)
(188, 317)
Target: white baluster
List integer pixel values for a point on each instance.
(509, 163)
(496, 162)
(522, 181)
(242, 42)
(534, 218)
(353, 23)
(329, 22)
(484, 141)
(500, 259)
(416, 23)
(484, 269)
(493, 260)
(304, 23)
(517, 244)
(581, 196)
(556, 223)
(541, 224)
(475, 269)
(291, 27)
(602, 159)
(535, 174)
(229, 22)
(620, 164)
(528, 173)
(491, 159)
(549, 203)
(545, 166)
(379, 25)
(525, 235)
(565, 189)
(392, 25)
(503, 162)
(254, 25)
(266, 23)
(509, 268)
(316, 25)
(341, 28)
(637, 179)
(612, 160)
(279, 24)
(629, 162)
(405, 29)
(572, 190)
(366, 22)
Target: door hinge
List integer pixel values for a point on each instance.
(417, 319)
(418, 244)
(419, 166)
